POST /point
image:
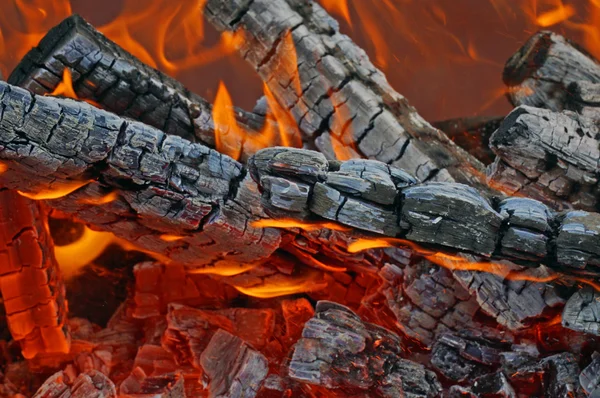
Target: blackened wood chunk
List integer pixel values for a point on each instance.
(89, 384)
(453, 215)
(340, 351)
(139, 385)
(490, 385)
(557, 153)
(540, 72)
(464, 356)
(578, 241)
(590, 377)
(563, 375)
(582, 311)
(233, 368)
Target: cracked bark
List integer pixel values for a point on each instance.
(539, 73)
(32, 288)
(336, 95)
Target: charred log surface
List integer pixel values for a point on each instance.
(582, 311)
(163, 184)
(232, 368)
(541, 71)
(557, 153)
(90, 384)
(139, 385)
(113, 78)
(494, 385)
(340, 351)
(590, 376)
(32, 288)
(440, 214)
(336, 95)
(472, 134)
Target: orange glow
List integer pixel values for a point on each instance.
(555, 16)
(73, 257)
(281, 285)
(338, 7)
(65, 87)
(171, 238)
(108, 198)
(3, 167)
(56, 192)
(306, 226)
(343, 143)
(224, 268)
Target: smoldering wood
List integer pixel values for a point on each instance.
(493, 384)
(539, 73)
(110, 76)
(340, 351)
(582, 311)
(163, 386)
(32, 287)
(590, 376)
(89, 384)
(557, 153)
(472, 134)
(336, 95)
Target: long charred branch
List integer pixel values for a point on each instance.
(540, 72)
(32, 288)
(336, 95)
(554, 154)
(105, 73)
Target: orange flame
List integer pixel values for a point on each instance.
(74, 256)
(65, 87)
(559, 14)
(306, 226)
(171, 238)
(284, 285)
(343, 143)
(3, 167)
(108, 198)
(339, 7)
(56, 192)
(225, 268)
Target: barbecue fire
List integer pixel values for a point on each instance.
(302, 230)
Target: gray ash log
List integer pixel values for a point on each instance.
(590, 376)
(105, 73)
(472, 134)
(555, 153)
(582, 311)
(541, 71)
(340, 351)
(336, 95)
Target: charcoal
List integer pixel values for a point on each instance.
(582, 311)
(490, 385)
(589, 378)
(90, 384)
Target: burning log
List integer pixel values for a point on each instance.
(541, 71)
(32, 288)
(494, 384)
(340, 351)
(341, 102)
(107, 75)
(582, 311)
(139, 385)
(91, 384)
(590, 376)
(556, 153)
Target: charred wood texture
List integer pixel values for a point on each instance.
(472, 134)
(556, 154)
(90, 384)
(590, 376)
(108, 75)
(582, 311)
(541, 71)
(340, 351)
(336, 95)
(32, 288)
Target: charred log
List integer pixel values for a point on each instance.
(556, 153)
(111, 77)
(590, 376)
(32, 288)
(582, 311)
(472, 134)
(91, 384)
(541, 71)
(336, 95)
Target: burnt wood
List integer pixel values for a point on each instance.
(88, 384)
(557, 156)
(336, 95)
(582, 311)
(539, 73)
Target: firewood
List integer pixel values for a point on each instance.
(590, 376)
(581, 312)
(106, 74)
(493, 384)
(335, 94)
(539, 73)
(90, 384)
(32, 288)
(472, 134)
(557, 153)
(139, 385)
(340, 351)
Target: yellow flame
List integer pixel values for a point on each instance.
(74, 256)
(306, 226)
(56, 192)
(559, 14)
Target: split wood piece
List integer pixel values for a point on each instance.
(106, 74)
(338, 98)
(165, 194)
(340, 351)
(557, 154)
(32, 288)
(139, 385)
(590, 376)
(375, 197)
(231, 367)
(539, 73)
(472, 134)
(89, 384)
(493, 384)
(582, 311)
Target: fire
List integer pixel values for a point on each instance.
(3, 167)
(65, 87)
(108, 198)
(171, 238)
(225, 268)
(62, 189)
(306, 226)
(339, 7)
(559, 14)
(343, 143)
(283, 285)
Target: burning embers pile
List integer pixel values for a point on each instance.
(380, 260)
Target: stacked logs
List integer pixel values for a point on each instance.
(411, 237)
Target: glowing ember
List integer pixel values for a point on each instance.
(283, 286)
(224, 268)
(56, 192)
(65, 88)
(108, 198)
(171, 238)
(3, 168)
(306, 226)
